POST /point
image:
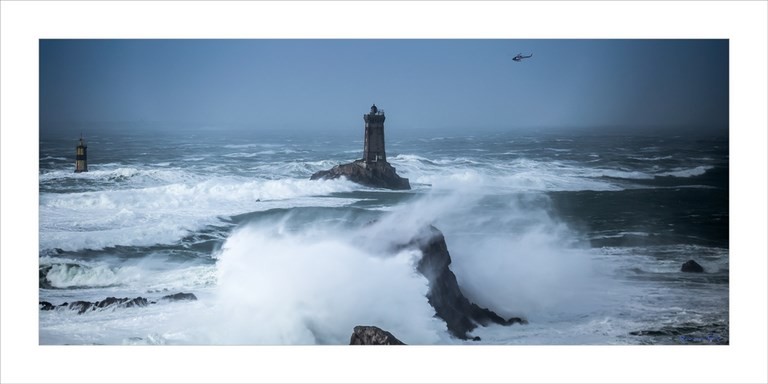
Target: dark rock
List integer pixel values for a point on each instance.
(137, 302)
(44, 282)
(114, 302)
(110, 302)
(81, 306)
(460, 315)
(378, 175)
(370, 335)
(179, 296)
(121, 302)
(691, 266)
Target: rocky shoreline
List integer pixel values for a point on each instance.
(113, 303)
(459, 313)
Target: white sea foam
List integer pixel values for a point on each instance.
(131, 175)
(240, 154)
(655, 158)
(688, 172)
(276, 284)
(251, 145)
(65, 273)
(164, 214)
(517, 175)
(619, 174)
(319, 283)
(519, 261)
(277, 287)
(142, 274)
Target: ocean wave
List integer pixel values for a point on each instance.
(517, 174)
(687, 172)
(655, 158)
(620, 174)
(53, 158)
(666, 259)
(164, 214)
(240, 155)
(68, 273)
(299, 278)
(252, 145)
(147, 274)
(123, 174)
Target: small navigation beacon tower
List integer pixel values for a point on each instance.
(81, 156)
(373, 150)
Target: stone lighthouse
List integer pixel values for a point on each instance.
(372, 170)
(81, 156)
(373, 149)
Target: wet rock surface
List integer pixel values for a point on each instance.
(82, 307)
(370, 335)
(181, 296)
(460, 315)
(692, 267)
(378, 175)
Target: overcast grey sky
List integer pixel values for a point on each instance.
(421, 84)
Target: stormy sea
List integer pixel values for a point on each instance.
(201, 238)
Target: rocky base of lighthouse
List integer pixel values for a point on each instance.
(378, 175)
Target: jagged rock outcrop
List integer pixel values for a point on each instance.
(370, 335)
(692, 266)
(460, 315)
(112, 302)
(378, 175)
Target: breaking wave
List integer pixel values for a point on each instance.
(164, 214)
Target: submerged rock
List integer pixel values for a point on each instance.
(370, 335)
(460, 314)
(371, 174)
(692, 266)
(179, 297)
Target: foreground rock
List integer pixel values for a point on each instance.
(460, 315)
(112, 303)
(692, 266)
(369, 335)
(377, 175)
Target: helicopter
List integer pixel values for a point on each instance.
(520, 57)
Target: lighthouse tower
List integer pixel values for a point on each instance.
(373, 149)
(81, 156)
(372, 170)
